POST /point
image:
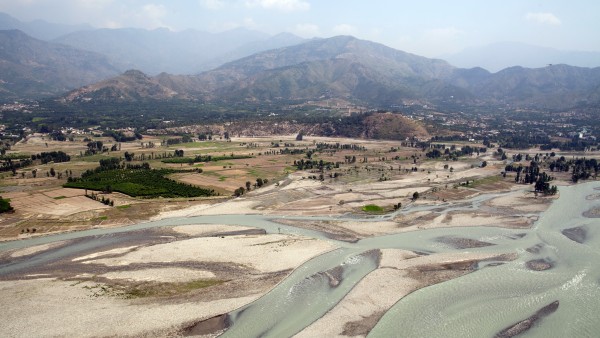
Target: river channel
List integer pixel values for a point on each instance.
(561, 300)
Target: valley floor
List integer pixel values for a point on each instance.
(167, 280)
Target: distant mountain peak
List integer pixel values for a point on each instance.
(134, 73)
(500, 55)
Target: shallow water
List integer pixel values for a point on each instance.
(479, 304)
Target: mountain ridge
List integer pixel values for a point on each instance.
(35, 68)
(500, 55)
(353, 69)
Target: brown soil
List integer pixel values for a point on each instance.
(362, 327)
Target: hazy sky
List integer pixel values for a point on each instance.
(425, 27)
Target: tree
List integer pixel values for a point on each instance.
(239, 191)
(248, 185)
(259, 182)
(5, 205)
(299, 136)
(415, 196)
(128, 156)
(52, 172)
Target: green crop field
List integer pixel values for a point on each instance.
(147, 183)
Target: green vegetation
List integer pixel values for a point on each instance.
(125, 206)
(178, 160)
(372, 208)
(5, 205)
(484, 181)
(137, 182)
(206, 158)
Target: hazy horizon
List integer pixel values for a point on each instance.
(429, 28)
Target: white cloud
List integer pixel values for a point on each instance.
(281, 5)
(543, 18)
(307, 30)
(344, 29)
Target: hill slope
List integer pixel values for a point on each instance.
(375, 75)
(162, 50)
(39, 29)
(34, 68)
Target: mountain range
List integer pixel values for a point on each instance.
(243, 65)
(352, 69)
(162, 50)
(155, 51)
(497, 56)
(39, 29)
(34, 68)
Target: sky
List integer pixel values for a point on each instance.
(425, 27)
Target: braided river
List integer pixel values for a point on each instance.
(550, 289)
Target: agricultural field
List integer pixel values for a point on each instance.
(160, 174)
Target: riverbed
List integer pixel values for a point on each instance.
(537, 281)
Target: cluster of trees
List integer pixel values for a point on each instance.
(205, 137)
(321, 165)
(102, 199)
(288, 151)
(137, 181)
(203, 158)
(95, 147)
(120, 136)
(338, 146)
(12, 164)
(259, 183)
(53, 156)
(178, 140)
(452, 152)
(5, 205)
(531, 174)
(573, 145)
(523, 140)
(582, 168)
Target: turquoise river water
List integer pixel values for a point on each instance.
(565, 298)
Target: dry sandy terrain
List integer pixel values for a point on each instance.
(265, 253)
(54, 308)
(74, 304)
